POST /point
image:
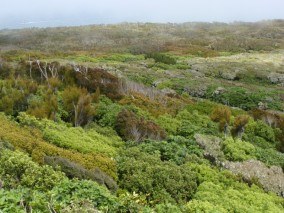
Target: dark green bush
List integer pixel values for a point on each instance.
(177, 149)
(161, 181)
(162, 58)
(270, 156)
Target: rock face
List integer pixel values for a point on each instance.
(211, 146)
(272, 179)
(196, 73)
(229, 75)
(262, 106)
(199, 91)
(219, 91)
(169, 92)
(276, 78)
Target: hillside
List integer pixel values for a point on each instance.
(143, 118)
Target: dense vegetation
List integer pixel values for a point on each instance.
(128, 120)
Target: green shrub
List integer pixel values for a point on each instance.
(270, 157)
(177, 149)
(192, 123)
(162, 58)
(14, 95)
(73, 170)
(106, 112)
(203, 107)
(74, 138)
(130, 127)
(221, 191)
(29, 187)
(260, 129)
(239, 97)
(237, 150)
(168, 123)
(18, 169)
(161, 181)
(213, 197)
(66, 192)
(30, 140)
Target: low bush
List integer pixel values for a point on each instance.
(28, 187)
(222, 191)
(162, 58)
(258, 129)
(161, 181)
(270, 157)
(192, 123)
(237, 150)
(176, 149)
(73, 170)
(18, 169)
(30, 140)
(130, 127)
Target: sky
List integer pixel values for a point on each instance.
(49, 13)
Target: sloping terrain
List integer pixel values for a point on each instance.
(142, 118)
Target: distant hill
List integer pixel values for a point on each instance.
(148, 37)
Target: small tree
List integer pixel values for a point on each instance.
(222, 115)
(130, 127)
(78, 102)
(96, 95)
(44, 107)
(239, 125)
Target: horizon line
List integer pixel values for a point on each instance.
(125, 22)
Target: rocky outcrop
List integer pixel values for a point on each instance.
(229, 75)
(199, 91)
(169, 92)
(272, 179)
(196, 73)
(262, 106)
(211, 146)
(276, 78)
(219, 91)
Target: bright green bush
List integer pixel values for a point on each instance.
(192, 123)
(30, 140)
(204, 206)
(167, 207)
(258, 129)
(74, 138)
(237, 150)
(217, 198)
(18, 169)
(29, 187)
(221, 191)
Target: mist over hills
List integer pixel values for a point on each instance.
(130, 37)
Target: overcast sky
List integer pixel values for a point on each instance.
(29, 13)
